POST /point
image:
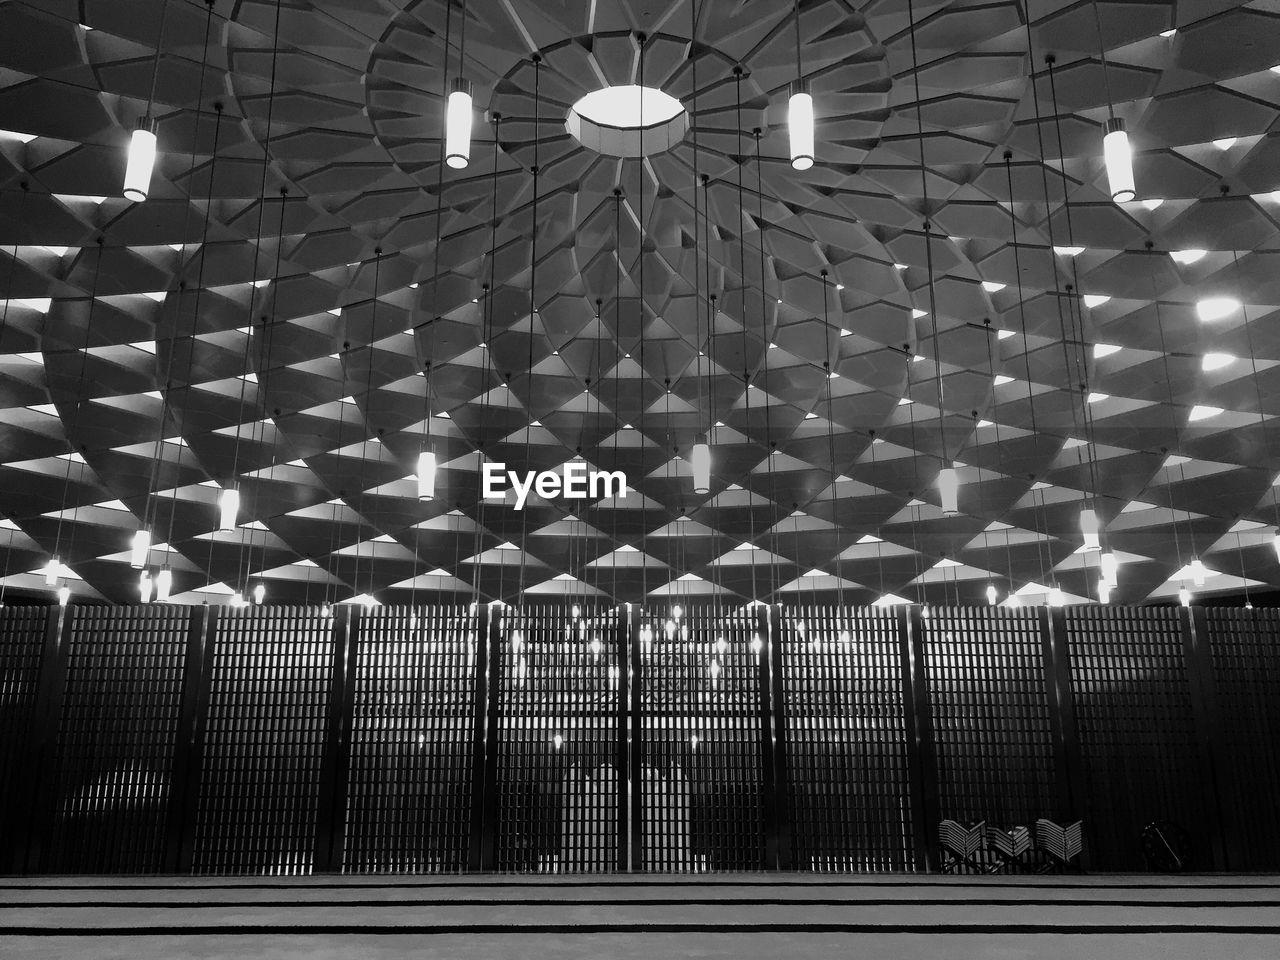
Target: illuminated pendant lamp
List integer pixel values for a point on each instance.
(164, 583)
(259, 593)
(142, 145)
(800, 112)
(949, 490)
(228, 509)
(991, 594)
(144, 586)
(1110, 569)
(141, 549)
(1090, 528)
(700, 459)
(459, 109)
(64, 595)
(426, 476)
(51, 571)
(1117, 152)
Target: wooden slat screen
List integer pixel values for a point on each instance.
(115, 745)
(22, 633)
(411, 739)
(701, 776)
(1133, 707)
(986, 675)
(1244, 646)
(850, 787)
(556, 776)
(259, 789)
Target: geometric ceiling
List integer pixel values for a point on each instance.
(270, 326)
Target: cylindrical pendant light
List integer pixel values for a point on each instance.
(141, 549)
(800, 126)
(1184, 597)
(1197, 572)
(51, 570)
(1110, 569)
(1275, 544)
(229, 509)
(991, 594)
(259, 593)
(1090, 528)
(1056, 598)
(142, 144)
(144, 586)
(1104, 591)
(164, 584)
(142, 160)
(457, 129)
(701, 462)
(1119, 159)
(64, 595)
(949, 489)
(426, 475)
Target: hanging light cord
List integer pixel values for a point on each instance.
(1102, 53)
(1173, 418)
(151, 506)
(75, 414)
(1077, 331)
(742, 272)
(928, 231)
(995, 422)
(831, 434)
(533, 303)
(264, 364)
(1022, 316)
(775, 558)
(155, 64)
(368, 404)
(253, 288)
(1257, 383)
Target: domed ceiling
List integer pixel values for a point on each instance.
(270, 327)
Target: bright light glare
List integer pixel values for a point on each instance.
(628, 107)
(1216, 361)
(1187, 257)
(1216, 308)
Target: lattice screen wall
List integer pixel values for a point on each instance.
(278, 740)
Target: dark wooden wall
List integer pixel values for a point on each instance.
(270, 741)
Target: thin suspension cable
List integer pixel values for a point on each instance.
(1102, 52)
(742, 318)
(74, 427)
(1257, 383)
(1022, 315)
(151, 506)
(268, 336)
(253, 289)
(775, 554)
(995, 421)
(533, 301)
(155, 64)
(1173, 417)
(831, 436)
(195, 318)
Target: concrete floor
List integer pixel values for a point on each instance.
(744, 917)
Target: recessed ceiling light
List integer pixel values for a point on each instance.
(1092, 300)
(1187, 257)
(992, 287)
(1200, 412)
(1101, 350)
(1225, 143)
(1215, 308)
(1068, 251)
(1216, 361)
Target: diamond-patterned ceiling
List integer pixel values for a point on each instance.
(270, 327)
